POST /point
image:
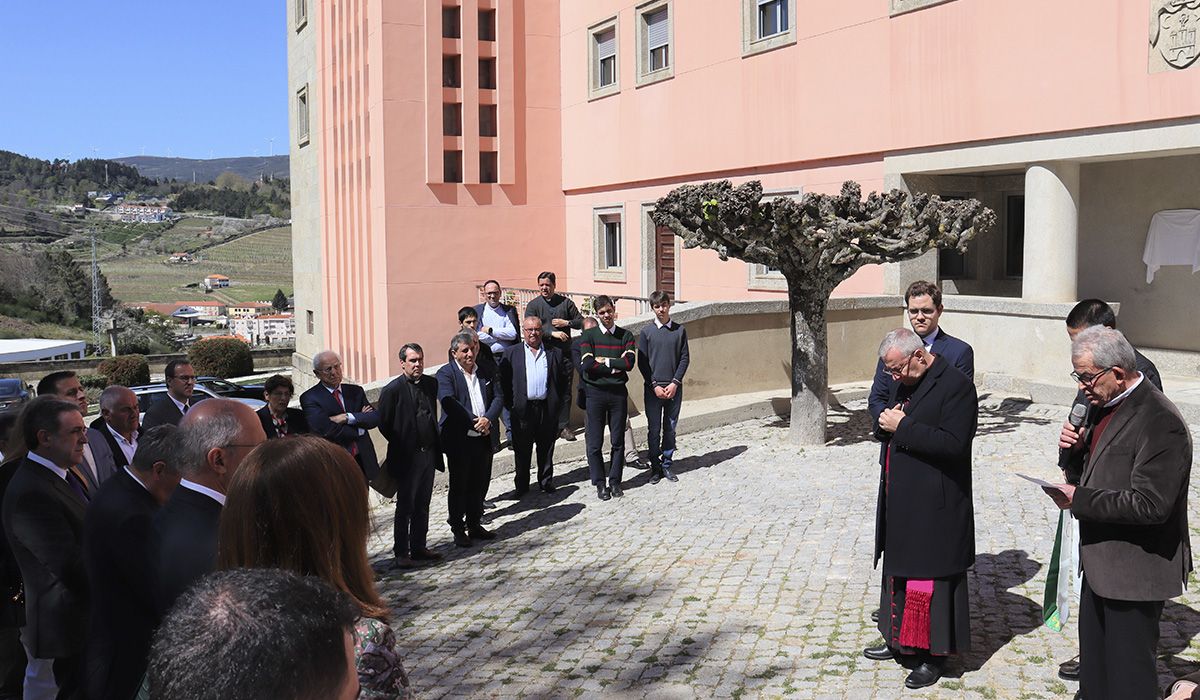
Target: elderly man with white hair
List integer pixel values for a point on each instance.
(925, 514)
(1133, 458)
(340, 413)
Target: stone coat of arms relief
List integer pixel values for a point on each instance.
(1173, 27)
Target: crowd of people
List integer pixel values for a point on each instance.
(171, 556)
(1125, 454)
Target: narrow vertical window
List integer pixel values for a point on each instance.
(772, 17)
(488, 166)
(451, 71)
(452, 119)
(612, 241)
(487, 120)
(606, 53)
(302, 116)
(452, 22)
(452, 166)
(487, 25)
(657, 40)
(487, 74)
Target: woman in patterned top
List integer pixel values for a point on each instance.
(300, 505)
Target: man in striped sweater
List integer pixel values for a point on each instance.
(607, 355)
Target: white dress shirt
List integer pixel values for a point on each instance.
(536, 373)
(137, 479)
(127, 447)
(349, 416)
(476, 393)
(179, 404)
(35, 457)
(198, 488)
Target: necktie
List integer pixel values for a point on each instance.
(78, 484)
(185, 408)
(337, 394)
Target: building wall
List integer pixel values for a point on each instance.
(1118, 199)
(307, 279)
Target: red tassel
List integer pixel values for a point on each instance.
(914, 629)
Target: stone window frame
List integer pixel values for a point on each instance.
(301, 16)
(595, 90)
(646, 76)
(752, 44)
(303, 115)
(900, 7)
(761, 278)
(601, 270)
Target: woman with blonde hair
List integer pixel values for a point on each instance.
(300, 505)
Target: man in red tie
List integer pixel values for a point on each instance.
(340, 413)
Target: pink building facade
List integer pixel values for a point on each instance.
(439, 143)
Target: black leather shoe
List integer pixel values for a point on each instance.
(923, 676)
(404, 563)
(425, 555)
(461, 539)
(567, 434)
(1069, 669)
(875, 615)
(616, 491)
(670, 475)
(655, 477)
(602, 493)
(478, 533)
(880, 653)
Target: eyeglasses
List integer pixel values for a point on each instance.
(330, 368)
(533, 330)
(1090, 379)
(185, 377)
(928, 311)
(900, 370)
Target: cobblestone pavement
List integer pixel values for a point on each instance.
(750, 577)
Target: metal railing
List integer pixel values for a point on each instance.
(520, 297)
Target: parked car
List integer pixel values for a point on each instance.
(229, 390)
(14, 392)
(149, 393)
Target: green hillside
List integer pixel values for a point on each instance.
(256, 264)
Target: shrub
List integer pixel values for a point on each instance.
(126, 370)
(221, 357)
(93, 381)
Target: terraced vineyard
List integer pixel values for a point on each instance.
(257, 265)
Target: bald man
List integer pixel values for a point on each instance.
(214, 437)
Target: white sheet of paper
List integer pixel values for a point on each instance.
(1039, 482)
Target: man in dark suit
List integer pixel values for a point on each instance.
(471, 403)
(214, 438)
(65, 385)
(925, 515)
(278, 419)
(1133, 468)
(121, 556)
(181, 385)
(923, 303)
(116, 429)
(340, 413)
(408, 420)
(43, 519)
(12, 597)
(1084, 315)
(533, 386)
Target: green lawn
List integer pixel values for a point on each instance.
(257, 265)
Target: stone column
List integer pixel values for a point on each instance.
(1051, 257)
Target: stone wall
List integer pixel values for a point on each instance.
(34, 371)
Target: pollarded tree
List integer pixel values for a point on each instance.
(816, 243)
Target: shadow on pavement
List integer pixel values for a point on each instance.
(998, 615)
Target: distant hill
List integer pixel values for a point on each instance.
(205, 170)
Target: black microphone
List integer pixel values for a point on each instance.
(1078, 415)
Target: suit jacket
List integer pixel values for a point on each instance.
(99, 431)
(1132, 501)
(296, 424)
(120, 551)
(576, 366)
(43, 519)
(457, 416)
(187, 536)
(925, 515)
(397, 423)
(105, 461)
(505, 309)
(164, 410)
(12, 592)
(319, 404)
(945, 346)
(512, 380)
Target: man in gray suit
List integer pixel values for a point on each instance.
(1133, 468)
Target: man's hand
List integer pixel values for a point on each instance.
(890, 419)
(339, 419)
(486, 330)
(1068, 439)
(560, 323)
(660, 392)
(560, 335)
(367, 408)
(670, 390)
(482, 425)
(1062, 494)
(1182, 690)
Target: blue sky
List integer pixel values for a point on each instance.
(190, 79)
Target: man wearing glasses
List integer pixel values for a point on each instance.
(534, 386)
(925, 513)
(340, 412)
(923, 303)
(1133, 465)
(181, 383)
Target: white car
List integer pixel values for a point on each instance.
(149, 393)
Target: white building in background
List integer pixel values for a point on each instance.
(38, 349)
(266, 329)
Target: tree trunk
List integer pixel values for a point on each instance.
(810, 350)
